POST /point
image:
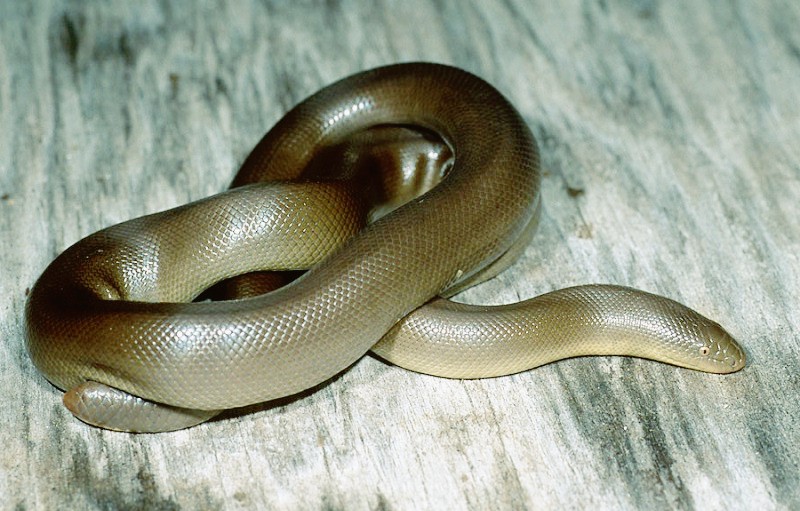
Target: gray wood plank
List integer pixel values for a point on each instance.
(669, 136)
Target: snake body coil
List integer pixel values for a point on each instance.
(109, 319)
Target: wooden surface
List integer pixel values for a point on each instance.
(669, 133)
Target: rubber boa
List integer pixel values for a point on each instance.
(112, 321)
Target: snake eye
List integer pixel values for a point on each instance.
(705, 350)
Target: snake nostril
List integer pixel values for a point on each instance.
(705, 350)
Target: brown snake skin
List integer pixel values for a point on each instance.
(109, 319)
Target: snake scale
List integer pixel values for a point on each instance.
(393, 187)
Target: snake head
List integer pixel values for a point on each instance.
(718, 351)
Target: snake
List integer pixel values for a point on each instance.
(387, 192)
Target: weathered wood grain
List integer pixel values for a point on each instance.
(669, 131)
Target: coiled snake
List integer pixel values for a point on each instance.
(110, 319)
